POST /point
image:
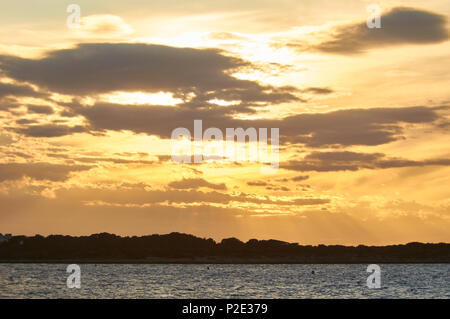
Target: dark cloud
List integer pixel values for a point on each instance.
(344, 127)
(269, 186)
(116, 160)
(130, 154)
(164, 158)
(7, 89)
(353, 126)
(299, 178)
(99, 68)
(195, 183)
(15, 154)
(26, 121)
(278, 188)
(352, 161)
(105, 67)
(257, 183)
(111, 160)
(344, 156)
(50, 130)
(318, 90)
(9, 104)
(153, 120)
(39, 171)
(40, 109)
(399, 26)
(147, 197)
(67, 113)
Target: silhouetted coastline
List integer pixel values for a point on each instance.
(183, 248)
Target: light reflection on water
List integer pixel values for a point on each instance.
(224, 281)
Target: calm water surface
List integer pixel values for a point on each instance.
(224, 281)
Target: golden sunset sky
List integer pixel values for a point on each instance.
(364, 118)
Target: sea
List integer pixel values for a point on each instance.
(255, 281)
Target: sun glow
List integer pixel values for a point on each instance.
(140, 98)
(223, 102)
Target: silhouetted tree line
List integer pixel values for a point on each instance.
(109, 247)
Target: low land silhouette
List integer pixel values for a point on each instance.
(184, 248)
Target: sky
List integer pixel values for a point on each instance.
(87, 114)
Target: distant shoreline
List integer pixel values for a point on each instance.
(177, 248)
(225, 261)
